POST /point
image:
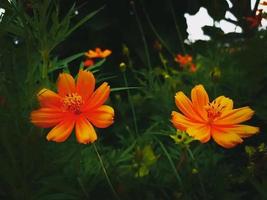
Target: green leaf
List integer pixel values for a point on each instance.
(123, 88)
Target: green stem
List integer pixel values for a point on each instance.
(163, 61)
(130, 102)
(199, 177)
(144, 40)
(171, 162)
(105, 172)
(155, 31)
(44, 72)
(83, 188)
(177, 28)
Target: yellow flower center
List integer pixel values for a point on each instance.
(72, 102)
(214, 110)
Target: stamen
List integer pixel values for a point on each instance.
(72, 102)
(214, 110)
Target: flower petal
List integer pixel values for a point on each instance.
(181, 122)
(201, 133)
(200, 99)
(48, 98)
(65, 84)
(62, 131)
(98, 98)
(101, 117)
(226, 139)
(186, 106)
(91, 54)
(106, 53)
(85, 84)
(234, 116)
(225, 103)
(243, 130)
(46, 117)
(85, 132)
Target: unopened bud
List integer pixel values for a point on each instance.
(125, 50)
(122, 67)
(215, 74)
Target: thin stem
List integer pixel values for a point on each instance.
(163, 61)
(155, 31)
(177, 176)
(196, 166)
(105, 172)
(44, 73)
(82, 186)
(130, 102)
(144, 40)
(177, 28)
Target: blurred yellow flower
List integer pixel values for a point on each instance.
(203, 120)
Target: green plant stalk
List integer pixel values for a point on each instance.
(144, 41)
(45, 59)
(196, 166)
(163, 61)
(171, 162)
(82, 186)
(130, 102)
(177, 28)
(105, 172)
(155, 31)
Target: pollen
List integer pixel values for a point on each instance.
(214, 110)
(72, 102)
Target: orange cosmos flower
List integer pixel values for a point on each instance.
(203, 120)
(192, 68)
(183, 60)
(75, 105)
(98, 53)
(88, 63)
(186, 62)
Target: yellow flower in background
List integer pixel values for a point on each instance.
(75, 105)
(203, 119)
(98, 53)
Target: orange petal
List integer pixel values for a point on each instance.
(200, 99)
(235, 116)
(101, 117)
(65, 84)
(85, 84)
(243, 130)
(48, 98)
(91, 54)
(226, 139)
(186, 107)
(201, 133)
(46, 117)
(225, 103)
(98, 98)
(88, 63)
(62, 131)
(181, 122)
(85, 132)
(106, 53)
